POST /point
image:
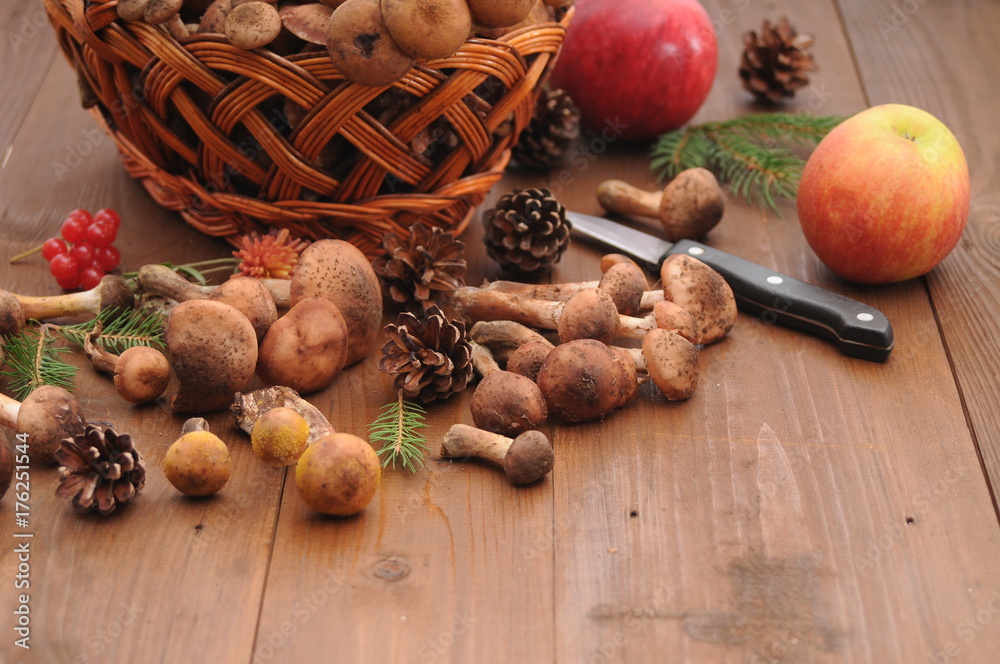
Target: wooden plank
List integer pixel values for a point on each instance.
(803, 506)
(166, 579)
(906, 52)
(28, 51)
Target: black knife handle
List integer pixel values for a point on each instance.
(859, 330)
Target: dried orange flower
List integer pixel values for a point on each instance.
(274, 255)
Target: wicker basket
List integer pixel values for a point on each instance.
(241, 141)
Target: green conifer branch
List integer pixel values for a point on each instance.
(33, 360)
(396, 433)
(120, 330)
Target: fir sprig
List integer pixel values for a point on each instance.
(396, 429)
(120, 330)
(34, 360)
(752, 154)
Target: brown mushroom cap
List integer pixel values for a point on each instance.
(584, 380)
(309, 22)
(361, 47)
(625, 283)
(252, 299)
(427, 28)
(692, 204)
(529, 458)
(672, 316)
(141, 374)
(703, 292)
(340, 272)
(161, 11)
(500, 13)
(213, 21)
(252, 25)
(48, 416)
(213, 351)
(590, 314)
(306, 348)
(132, 10)
(11, 314)
(527, 358)
(508, 403)
(672, 363)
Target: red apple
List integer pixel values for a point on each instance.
(885, 196)
(641, 66)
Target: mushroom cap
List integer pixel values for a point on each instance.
(141, 374)
(115, 293)
(161, 11)
(672, 316)
(11, 314)
(341, 273)
(427, 28)
(589, 314)
(529, 458)
(672, 363)
(625, 283)
(338, 474)
(359, 43)
(583, 380)
(253, 25)
(213, 352)
(308, 22)
(692, 204)
(703, 292)
(306, 348)
(527, 358)
(508, 403)
(252, 298)
(500, 13)
(48, 416)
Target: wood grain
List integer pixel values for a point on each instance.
(27, 54)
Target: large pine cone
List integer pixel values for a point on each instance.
(99, 469)
(428, 354)
(527, 232)
(427, 267)
(776, 62)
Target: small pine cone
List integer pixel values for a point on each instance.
(776, 62)
(429, 355)
(527, 231)
(99, 469)
(427, 267)
(551, 131)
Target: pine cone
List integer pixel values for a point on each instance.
(527, 231)
(429, 355)
(551, 131)
(428, 266)
(99, 469)
(775, 63)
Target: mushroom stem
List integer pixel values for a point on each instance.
(478, 304)
(247, 408)
(462, 440)
(9, 408)
(620, 197)
(161, 280)
(102, 359)
(483, 360)
(112, 292)
(504, 336)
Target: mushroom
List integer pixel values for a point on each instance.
(340, 272)
(504, 402)
(213, 21)
(197, 463)
(499, 13)
(248, 295)
(688, 207)
(309, 22)
(213, 351)
(306, 348)
(427, 28)
(111, 293)
(672, 362)
(280, 436)
(527, 358)
(141, 373)
(703, 292)
(584, 380)
(132, 10)
(361, 47)
(504, 336)
(11, 314)
(252, 25)
(46, 417)
(161, 11)
(248, 408)
(338, 474)
(524, 459)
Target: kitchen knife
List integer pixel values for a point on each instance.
(859, 330)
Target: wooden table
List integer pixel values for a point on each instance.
(803, 507)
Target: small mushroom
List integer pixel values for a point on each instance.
(527, 358)
(625, 283)
(132, 10)
(198, 463)
(308, 22)
(703, 292)
(688, 207)
(584, 380)
(246, 294)
(524, 459)
(248, 408)
(161, 11)
(306, 348)
(11, 314)
(213, 351)
(46, 417)
(141, 373)
(213, 21)
(340, 272)
(672, 362)
(361, 47)
(504, 402)
(252, 25)
(111, 293)
(338, 474)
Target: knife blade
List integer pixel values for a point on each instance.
(857, 329)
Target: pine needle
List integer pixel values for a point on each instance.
(33, 360)
(396, 430)
(120, 330)
(751, 154)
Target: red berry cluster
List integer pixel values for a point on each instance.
(84, 253)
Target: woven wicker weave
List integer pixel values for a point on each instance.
(240, 141)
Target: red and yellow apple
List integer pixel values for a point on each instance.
(885, 195)
(643, 67)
